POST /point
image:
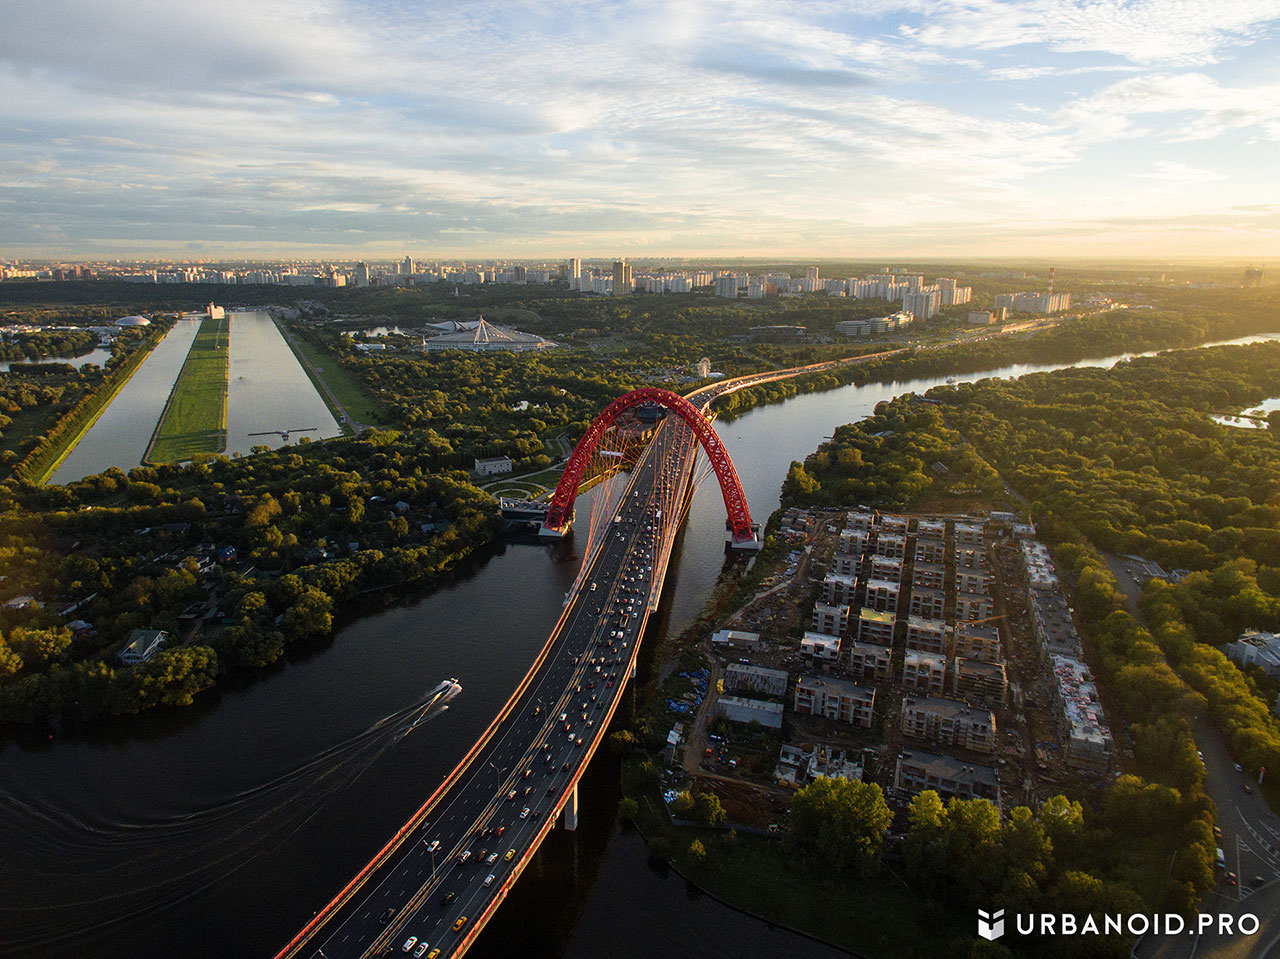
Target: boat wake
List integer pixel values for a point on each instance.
(113, 872)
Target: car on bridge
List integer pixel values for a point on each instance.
(409, 944)
(461, 921)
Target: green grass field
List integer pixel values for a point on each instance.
(346, 388)
(195, 418)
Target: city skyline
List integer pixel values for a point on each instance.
(739, 129)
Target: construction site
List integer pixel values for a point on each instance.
(914, 651)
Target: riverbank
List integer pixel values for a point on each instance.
(761, 877)
(347, 402)
(194, 419)
(44, 459)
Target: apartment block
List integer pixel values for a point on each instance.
(832, 620)
(1038, 566)
(973, 581)
(974, 607)
(837, 699)
(863, 521)
(870, 662)
(927, 603)
(924, 673)
(884, 567)
(893, 545)
(854, 541)
(969, 558)
(876, 627)
(738, 709)
(931, 529)
(949, 722)
(846, 564)
(927, 635)
(893, 524)
(931, 551)
(947, 776)
(928, 575)
(979, 683)
(882, 595)
(971, 535)
(822, 649)
(838, 589)
(975, 641)
(1086, 739)
(1051, 620)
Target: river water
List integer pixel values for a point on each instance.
(96, 357)
(218, 830)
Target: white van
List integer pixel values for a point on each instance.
(1222, 859)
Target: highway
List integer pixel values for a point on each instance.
(471, 840)
(429, 891)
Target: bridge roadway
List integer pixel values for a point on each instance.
(449, 867)
(495, 809)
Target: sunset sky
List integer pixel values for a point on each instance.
(940, 128)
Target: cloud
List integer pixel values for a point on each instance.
(1176, 172)
(1204, 108)
(1179, 32)
(654, 123)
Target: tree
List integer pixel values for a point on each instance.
(697, 851)
(707, 809)
(311, 614)
(843, 822)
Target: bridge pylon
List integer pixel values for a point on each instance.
(560, 515)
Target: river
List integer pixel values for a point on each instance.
(98, 357)
(216, 831)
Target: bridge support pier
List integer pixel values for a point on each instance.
(571, 811)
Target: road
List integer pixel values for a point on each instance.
(446, 870)
(1250, 842)
(470, 842)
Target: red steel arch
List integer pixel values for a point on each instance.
(735, 501)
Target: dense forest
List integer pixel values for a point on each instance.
(312, 528)
(36, 344)
(1126, 460)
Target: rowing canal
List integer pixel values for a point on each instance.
(216, 831)
(267, 389)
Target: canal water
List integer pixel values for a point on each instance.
(267, 389)
(121, 434)
(218, 830)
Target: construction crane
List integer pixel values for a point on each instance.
(284, 434)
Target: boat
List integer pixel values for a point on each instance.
(437, 698)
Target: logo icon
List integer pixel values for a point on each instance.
(991, 924)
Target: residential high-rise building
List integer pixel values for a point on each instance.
(362, 273)
(621, 277)
(573, 272)
(406, 266)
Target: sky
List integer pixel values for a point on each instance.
(361, 128)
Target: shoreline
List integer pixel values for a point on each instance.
(132, 364)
